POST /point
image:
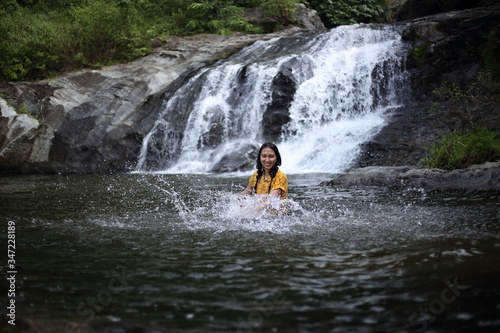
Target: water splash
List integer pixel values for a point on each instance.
(222, 211)
(174, 198)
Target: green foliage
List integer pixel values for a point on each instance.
(491, 53)
(105, 33)
(45, 4)
(41, 38)
(28, 48)
(283, 11)
(472, 143)
(419, 52)
(342, 12)
(9, 5)
(458, 150)
(217, 16)
(39, 44)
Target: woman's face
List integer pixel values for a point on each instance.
(268, 158)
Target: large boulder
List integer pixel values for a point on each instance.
(277, 113)
(303, 17)
(17, 134)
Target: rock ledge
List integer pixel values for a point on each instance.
(481, 178)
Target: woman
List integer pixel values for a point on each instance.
(268, 179)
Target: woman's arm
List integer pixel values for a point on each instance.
(276, 193)
(251, 184)
(280, 186)
(247, 191)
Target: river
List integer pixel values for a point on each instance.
(150, 252)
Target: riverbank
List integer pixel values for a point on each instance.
(483, 179)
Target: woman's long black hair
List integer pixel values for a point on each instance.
(274, 169)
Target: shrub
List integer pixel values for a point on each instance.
(30, 46)
(283, 11)
(471, 104)
(342, 12)
(217, 16)
(39, 43)
(105, 33)
(42, 38)
(458, 150)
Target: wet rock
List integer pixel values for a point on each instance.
(95, 121)
(17, 134)
(243, 160)
(482, 178)
(306, 18)
(446, 49)
(404, 140)
(277, 113)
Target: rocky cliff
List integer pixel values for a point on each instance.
(95, 121)
(447, 48)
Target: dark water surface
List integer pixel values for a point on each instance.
(177, 253)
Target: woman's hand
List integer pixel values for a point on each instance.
(276, 193)
(247, 191)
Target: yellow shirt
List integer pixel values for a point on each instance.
(265, 185)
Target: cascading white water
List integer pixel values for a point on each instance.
(346, 81)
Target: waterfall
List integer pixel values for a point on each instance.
(317, 96)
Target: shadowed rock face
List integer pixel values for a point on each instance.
(277, 113)
(449, 50)
(412, 9)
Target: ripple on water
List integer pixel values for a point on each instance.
(200, 260)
